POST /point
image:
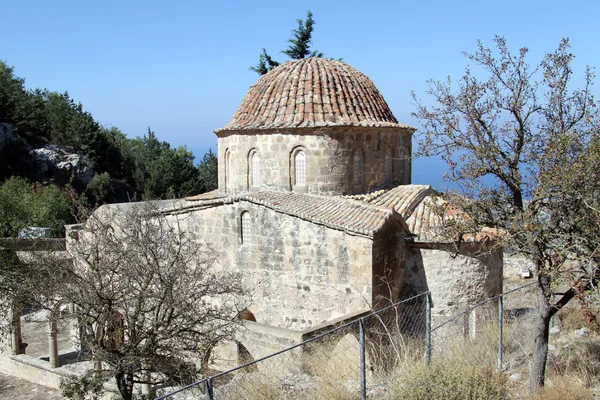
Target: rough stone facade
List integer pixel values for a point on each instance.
(300, 274)
(456, 278)
(329, 154)
(316, 210)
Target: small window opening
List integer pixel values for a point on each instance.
(247, 231)
(300, 168)
(358, 168)
(388, 167)
(255, 169)
(227, 169)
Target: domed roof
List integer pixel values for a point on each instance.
(312, 92)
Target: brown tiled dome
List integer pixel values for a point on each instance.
(312, 92)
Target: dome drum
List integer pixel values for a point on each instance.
(348, 138)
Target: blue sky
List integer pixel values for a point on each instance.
(181, 67)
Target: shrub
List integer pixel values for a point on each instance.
(452, 381)
(562, 388)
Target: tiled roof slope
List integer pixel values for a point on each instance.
(425, 222)
(213, 195)
(329, 211)
(426, 214)
(312, 92)
(415, 203)
(403, 199)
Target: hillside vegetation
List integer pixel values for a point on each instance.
(123, 168)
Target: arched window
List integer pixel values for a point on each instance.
(387, 175)
(247, 231)
(300, 168)
(358, 168)
(254, 169)
(227, 168)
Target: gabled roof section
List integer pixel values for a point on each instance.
(214, 196)
(404, 199)
(333, 212)
(312, 92)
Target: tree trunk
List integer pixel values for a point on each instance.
(16, 339)
(541, 334)
(124, 385)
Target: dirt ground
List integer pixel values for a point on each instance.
(20, 389)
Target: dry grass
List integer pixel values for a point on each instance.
(464, 362)
(566, 387)
(571, 318)
(577, 358)
(452, 381)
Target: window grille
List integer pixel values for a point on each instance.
(300, 168)
(246, 228)
(388, 167)
(358, 168)
(255, 161)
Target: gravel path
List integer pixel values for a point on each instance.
(19, 389)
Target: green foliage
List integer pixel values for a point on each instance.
(452, 382)
(159, 171)
(300, 41)
(299, 46)
(100, 190)
(12, 93)
(127, 168)
(24, 204)
(265, 63)
(208, 172)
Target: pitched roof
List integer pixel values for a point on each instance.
(312, 92)
(333, 212)
(208, 197)
(404, 199)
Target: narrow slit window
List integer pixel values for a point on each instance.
(227, 170)
(247, 231)
(388, 167)
(300, 168)
(255, 167)
(358, 168)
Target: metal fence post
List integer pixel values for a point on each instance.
(209, 389)
(427, 328)
(363, 366)
(500, 322)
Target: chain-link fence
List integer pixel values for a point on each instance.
(373, 355)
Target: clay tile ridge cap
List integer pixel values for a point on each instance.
(312, 92)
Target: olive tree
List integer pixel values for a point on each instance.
(522, 145)
(151, 302)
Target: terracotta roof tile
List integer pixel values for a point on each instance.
(404, 199)
(330, 211)
(312, 92)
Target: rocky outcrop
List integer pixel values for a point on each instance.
(58, 163)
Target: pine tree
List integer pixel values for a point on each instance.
(299, 46)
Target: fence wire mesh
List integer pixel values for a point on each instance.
(373, 355)
(494, 334)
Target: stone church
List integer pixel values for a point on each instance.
(316, 208)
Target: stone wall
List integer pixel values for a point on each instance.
(300, 274)
(389, 258)
(456, 280)
(329, 158)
